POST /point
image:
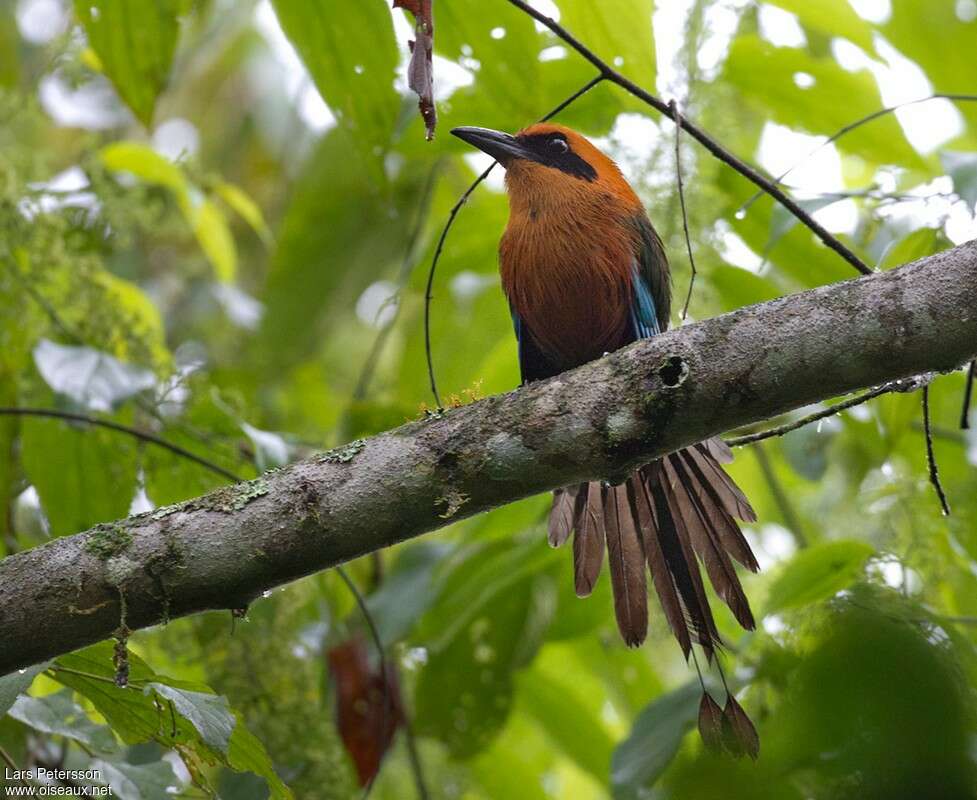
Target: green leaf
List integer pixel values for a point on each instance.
(962, 169)
(817, 573)
(465, 691)
(208, 713)
(738, 287)
(198, 724)
(920, 243)
(137, 782)
(941, 43)
(214, 236)
(352, 57)
(148, 165)
(134, 41)
(58, 715)
(83, 475)
(653, 741)
(17, 682)
(832, 18)
(554, 702)
(407, 592)
(246, 208)
(206, 220)
(764, 76)
(783, 219)
(617, 30)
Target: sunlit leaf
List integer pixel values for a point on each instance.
(962, 168)
(135, 43)
(832, 18)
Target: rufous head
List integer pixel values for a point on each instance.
(550, 156)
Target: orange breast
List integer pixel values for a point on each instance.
(566, 269)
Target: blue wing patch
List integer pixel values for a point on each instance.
(643, 315)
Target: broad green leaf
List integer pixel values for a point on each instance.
(16, 683)
(653, 741)
(465, 691)
(817, 573)
(352, 57)
(920, 243)
(58, 715)
(134, 42)
(208, 713)
(962, 169)
(764, 76)
(554, 702)
(83, 475)
(137, 716)
(738, 287)
(619, 31)
(941, 42)
(90, 378)
(137, 782)
(318, 270)
(832, 18)
(408, 591)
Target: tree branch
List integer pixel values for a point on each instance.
(599, 421)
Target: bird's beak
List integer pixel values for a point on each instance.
(501, 146)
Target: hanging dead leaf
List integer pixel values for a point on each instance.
(368, 706)
(420, 70)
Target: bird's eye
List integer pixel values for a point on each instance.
(559, 145)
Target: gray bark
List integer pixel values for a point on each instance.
(224, 549)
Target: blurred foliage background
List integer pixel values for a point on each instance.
(216, 218)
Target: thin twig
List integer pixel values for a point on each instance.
(406, 268)
(720, 152)
(681, 200)
(451, 221)
(750, 438)
(415, 760)
(967, 394)
(119, 427)
(780, 496)
(8, 760)
(857, 124)
(934, 472)
(381, 655)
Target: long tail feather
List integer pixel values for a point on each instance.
(671, 514)
(626, 557)
(588, 540)
(706, 540)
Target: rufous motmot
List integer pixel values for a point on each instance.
(585, 273)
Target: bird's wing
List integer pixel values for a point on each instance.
(533, 365)
(651, 286)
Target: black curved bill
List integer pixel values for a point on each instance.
(501, 146)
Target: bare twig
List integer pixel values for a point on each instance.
(714, 147)
(406, 267)
(857, 124)
(780, 496)
(780, 430)
(934, 473)
(681, 200)
(967, 394)
(451, 221)
(119, 427)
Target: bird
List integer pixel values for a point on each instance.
(585, 273)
